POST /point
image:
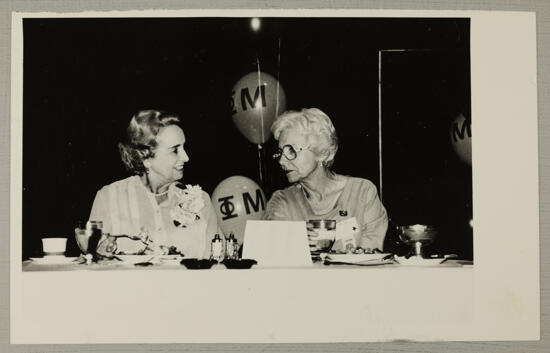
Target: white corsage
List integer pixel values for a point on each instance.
(188, 204)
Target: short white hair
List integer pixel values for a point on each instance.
(315, 125)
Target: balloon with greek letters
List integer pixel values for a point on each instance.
(256, 100)
(461, 138)
(236, 200)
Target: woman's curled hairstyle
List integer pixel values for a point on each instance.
(317, 127)
(141, 138)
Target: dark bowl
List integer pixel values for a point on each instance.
(239, 264)
(198, 264)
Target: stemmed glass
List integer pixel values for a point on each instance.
(417, 236)
(88, 235)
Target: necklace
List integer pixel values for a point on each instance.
(161, 193)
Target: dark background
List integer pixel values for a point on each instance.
(85, 78)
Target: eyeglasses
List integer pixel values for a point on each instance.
(289, 152)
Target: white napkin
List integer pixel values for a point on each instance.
(277, 243)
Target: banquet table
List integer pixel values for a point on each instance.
(125, 293)
(31, 266)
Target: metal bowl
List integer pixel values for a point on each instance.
(418, 233)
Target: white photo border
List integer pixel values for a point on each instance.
(496, 300)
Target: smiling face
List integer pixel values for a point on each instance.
(167, 164)
(305, 163)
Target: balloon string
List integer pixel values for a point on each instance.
(261, 98)
(380, 125)
(260, 164)
(278, 74)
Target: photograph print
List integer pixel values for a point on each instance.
(195, 142)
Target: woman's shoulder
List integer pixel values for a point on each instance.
(287, 192)
(282, 204)
(123, 183)
(205, 196)
(359, 184)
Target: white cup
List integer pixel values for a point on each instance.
(54, 246)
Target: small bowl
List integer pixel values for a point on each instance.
(54, 246)
(198, 264)
(418, 232)
(239, 264)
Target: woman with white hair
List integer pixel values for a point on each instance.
(307, 146)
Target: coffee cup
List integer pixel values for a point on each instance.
(54, 246)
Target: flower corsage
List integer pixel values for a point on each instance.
(188, 204)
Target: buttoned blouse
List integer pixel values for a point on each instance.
(127, 207)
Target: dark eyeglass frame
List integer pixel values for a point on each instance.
(289, 151)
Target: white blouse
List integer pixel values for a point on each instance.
(127, 207)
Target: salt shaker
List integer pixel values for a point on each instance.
(217, 248)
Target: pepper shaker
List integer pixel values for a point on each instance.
(217, 248)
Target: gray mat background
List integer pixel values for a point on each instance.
(542, 9)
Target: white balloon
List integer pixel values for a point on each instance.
(236, 200)
(461, 138)
(257, 99)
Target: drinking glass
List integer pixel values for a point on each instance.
(326, 234)
(88, 235)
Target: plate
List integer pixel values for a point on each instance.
(169, 259)
(54, 260)
(418, 261)
(134, 259)
(357, 259)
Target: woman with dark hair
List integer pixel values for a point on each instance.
(151, 211)
(307, 146)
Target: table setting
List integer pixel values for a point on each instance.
(98, 252)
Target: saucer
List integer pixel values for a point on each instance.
(418, 261)
(133, 259)
(357, 259)
(156, 259)
(53, 260)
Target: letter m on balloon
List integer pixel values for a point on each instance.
(247, 199)
(460, 131)
(246, 98)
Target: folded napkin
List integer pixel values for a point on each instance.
(347, 232)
